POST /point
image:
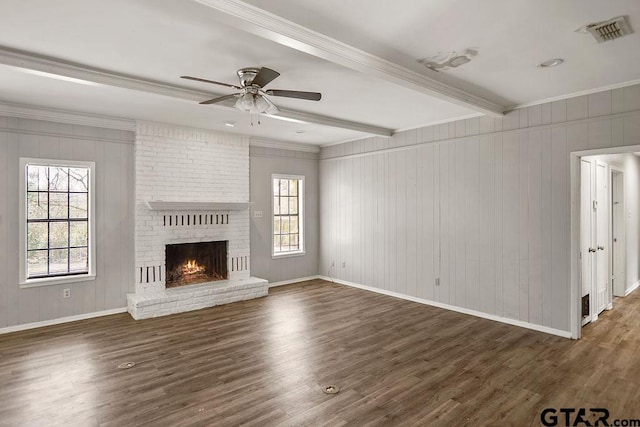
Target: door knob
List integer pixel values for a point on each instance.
(591, 250)
(601, 248)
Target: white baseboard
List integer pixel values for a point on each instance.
(632, 288)
(288, 282)
(533, 326)
(67, 319)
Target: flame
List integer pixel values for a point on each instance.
(192, 267)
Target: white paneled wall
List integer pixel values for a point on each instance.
(265, 162)
(482, 204)
(112, 151)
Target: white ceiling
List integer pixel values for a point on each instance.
(159, 40)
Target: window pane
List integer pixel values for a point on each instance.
(293, 241)
(276, 187)
(37, 178)
(293, 205)
(284, 205)
(284, 187)
(37, 204)
(78, 205)
(276, 225)
(293, 224)
(79, 260)
(58, 208)
(37, 235)
(284, 241)
(58, 235)
(58, 261)
(284, 224)
(78, 179)
(79, 234)
(36, 263)
(276, 243)
(58, 179)
(293, 187)
(276, 206)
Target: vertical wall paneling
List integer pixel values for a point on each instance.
(486, 215)
(4, 229)
(535, 228)
(510, 225)
(473, 213)
(411, 214)
(49, 140)
(559, 228)
(483, 205)
(523, 231)
(263, 162)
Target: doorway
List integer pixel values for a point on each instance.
(605, 231)
(594, 238)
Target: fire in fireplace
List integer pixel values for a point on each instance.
(190, 263)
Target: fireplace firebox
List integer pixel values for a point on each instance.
(190, 263)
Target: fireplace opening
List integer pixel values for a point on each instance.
(190, 263)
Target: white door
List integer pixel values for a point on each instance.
(586, 247)
(602, 238)
(618, 238)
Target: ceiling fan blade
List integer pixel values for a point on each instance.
(311, 96)
(264, 77)
(220, 99)
(198, 79)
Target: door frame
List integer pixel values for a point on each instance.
(574, 265)
(615, 170)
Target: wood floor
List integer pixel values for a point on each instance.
(263, 362)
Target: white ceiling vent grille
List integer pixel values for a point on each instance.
(609, 30)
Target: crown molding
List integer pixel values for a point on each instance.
(282, 145)
(78, 73)
(282, 31)
(64, 116)
(575, 94)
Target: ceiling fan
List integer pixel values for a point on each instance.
(252, 96)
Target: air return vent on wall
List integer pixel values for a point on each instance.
(608, 30)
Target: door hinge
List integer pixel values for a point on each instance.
(595, 205)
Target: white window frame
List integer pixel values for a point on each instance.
(47, 281)
(301, 221)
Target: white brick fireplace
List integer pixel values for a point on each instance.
(191, 186)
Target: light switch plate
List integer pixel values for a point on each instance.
(257, 214)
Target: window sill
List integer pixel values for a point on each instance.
(49, 281)
(288, 255)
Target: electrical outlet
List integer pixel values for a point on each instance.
(344, 264)
(437, 281)
(66, 293)
(257, 214)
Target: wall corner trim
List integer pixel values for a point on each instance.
(61, 320)
(520, 323)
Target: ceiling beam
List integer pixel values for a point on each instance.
(55, 68)
(279, 30)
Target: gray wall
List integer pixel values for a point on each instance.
(263, 163)
(483, 204)
(112, 152)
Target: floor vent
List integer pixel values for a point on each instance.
(609, 30)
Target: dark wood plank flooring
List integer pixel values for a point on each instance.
(263, 362)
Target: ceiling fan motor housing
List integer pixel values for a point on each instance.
(246, 75)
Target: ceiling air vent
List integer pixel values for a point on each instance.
(608, 30)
